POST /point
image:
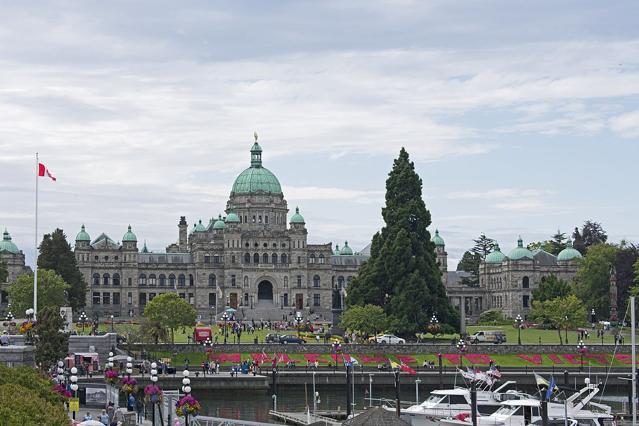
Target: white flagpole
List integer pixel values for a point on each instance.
(634, 361)
(35, 275)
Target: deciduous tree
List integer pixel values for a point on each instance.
(366, 320)
(171, 311)
(560, 312)
(56, 255)
(592, 282)
(403, 262)
(550, 288)
(591, 233)
(51, 291)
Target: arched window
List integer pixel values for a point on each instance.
(142, 279)
(265, 258)
(340, 281)
(212, 281)
(316, 281)
(256, 258)
(96, 279)
(246, 282)
(116, 279)
(191, 280)
(172, 281)
(525, 282)
(311, 258)
(284, 259)
(181, 280)
(274, 258)
(247, 258)
(162, 280)
(321, 258)
(285, 282)
(152, 280)
(105, 279)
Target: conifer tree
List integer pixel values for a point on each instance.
(56, 255)
(402, 274)
(3, 272)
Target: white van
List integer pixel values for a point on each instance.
(489, 336)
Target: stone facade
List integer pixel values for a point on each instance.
(13, 258)
(253, 260)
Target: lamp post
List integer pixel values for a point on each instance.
(112, 325)
(461, 346)
(298, 321)
(186, 388)
(433, 327)
(417, 382)
(74, 384)
(225, 318)
(28, 337)
(154, 379)
(566, 322)
(60, 371)
(518, 322)
(83, 320)
(315, 395)
(370, 390)
(582, 349)
(593, 317)
(336, 348)
(9, 316)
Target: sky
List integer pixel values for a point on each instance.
(522, 117)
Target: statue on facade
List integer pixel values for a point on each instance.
(613, 293)
(337, 298)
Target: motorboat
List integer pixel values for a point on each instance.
(451, 402)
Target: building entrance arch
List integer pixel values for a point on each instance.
(265, 291)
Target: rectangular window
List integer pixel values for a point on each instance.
(212, 299)
(151, 296)
(130, 281)
(299, 281)
(526, 301)
(106, 298)
(299, 259)
(142, 298)
(182, 295)
(96, 297)
(316, 300)
(233, 259)
(207, 259)
(116, 298)
(129, 298)
(191, 299)
(232, 280)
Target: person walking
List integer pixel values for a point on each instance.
(104, 418)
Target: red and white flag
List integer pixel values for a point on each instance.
(43, 171)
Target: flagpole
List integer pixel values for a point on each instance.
(35, 274)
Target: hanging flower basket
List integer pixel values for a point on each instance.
(60, 389)
(187, 405)
(111, 376)
(153, 393)
(25, 327)
(129, 385)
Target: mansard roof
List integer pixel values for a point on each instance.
(104, 242)
(543, 258)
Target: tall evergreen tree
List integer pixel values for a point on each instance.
(52, 344)
(402, 274)
(56, 255)
(591, 233)
(470, 263)
(557, 243)
(483, 245)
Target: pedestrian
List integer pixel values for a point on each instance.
(104, 418)
(131, 403)
(110, 411)
(139, 408)
(4, 339)
(87, 417)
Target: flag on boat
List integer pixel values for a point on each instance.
(541, 382)
(551, 387)
(43, 171)
(494, 372)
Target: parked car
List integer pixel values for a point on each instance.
(389, 339)
(272, 338)
(289, 338)
(490, 336)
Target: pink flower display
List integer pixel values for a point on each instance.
(478, 359)
(406, 359)
(533, 359)
(451, 358)
(111, 376)
(129, 385)
(315, 358)
(555, 359)
(60, 389)
(374, 359)
(572, 359)
(222, 358)
(598, 358)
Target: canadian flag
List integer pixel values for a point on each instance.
(43, 171)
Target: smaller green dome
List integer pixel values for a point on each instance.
(83, 235)
(336, 252)
(496, 256)
(199, 227)
(520, 252)
(439, 241)
(7, 245)
(569, 253)
(346, 250)
(129, 236)
(145, 248)
(297, 217)
(232, 218)
(219, 223)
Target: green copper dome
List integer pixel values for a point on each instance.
(336, 252)
(569, 253)
(346, 250)
(129, 236)
(232, 218)
(83, 235)
(7, 245)
(496, 256)
(439, 241)
(520, 252)
(219, 223)
(145, 248)
(199, 227)
(297, 217)
(256, 178)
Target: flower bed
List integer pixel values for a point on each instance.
(187, 405)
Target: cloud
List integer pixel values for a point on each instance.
(626, 125)
(498, 193)
(318, 193)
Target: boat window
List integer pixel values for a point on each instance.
(458, 399)
(432, 400)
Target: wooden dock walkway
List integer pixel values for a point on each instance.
(300, 418)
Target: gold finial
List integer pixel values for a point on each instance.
(255, 136)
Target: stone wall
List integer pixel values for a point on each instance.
(17, 356)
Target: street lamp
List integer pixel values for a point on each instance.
(566, 322)
(110, 361)
(461, 347)
(9, 316)
(582, 349)
(112, 325)
(417, 382)
(28, 337)
(60, 376)
(298, 321)
(593, 317)
(336, 348)
(83, 320)
(186, 388)
(154, 398)
(74, 384)
(433, 326)
(519, 321)
(225, 318)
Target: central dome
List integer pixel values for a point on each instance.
(256, 178)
